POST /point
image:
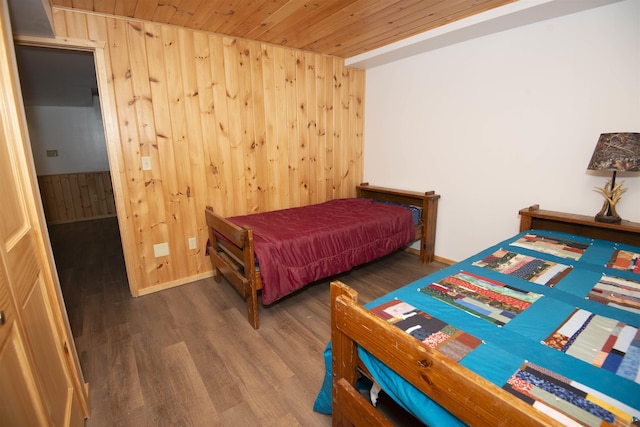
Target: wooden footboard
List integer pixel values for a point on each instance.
(468, 396)
(232, 255)
(230, 249)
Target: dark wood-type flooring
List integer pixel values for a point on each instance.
(187, 356)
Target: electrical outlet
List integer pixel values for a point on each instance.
(193, 243)
(52, 153)
(146, 163)
(160, 250)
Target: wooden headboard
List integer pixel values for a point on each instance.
(533, 217)
(428, 201)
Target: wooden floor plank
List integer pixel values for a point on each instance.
(189, 395)
(239, 415)
(124, 382)
(221, 386)
(187, 355)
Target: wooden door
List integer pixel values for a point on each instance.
(21, 405)
(40, 377)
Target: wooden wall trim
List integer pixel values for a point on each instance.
(60, 42)
(232, 123)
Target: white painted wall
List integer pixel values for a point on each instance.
(76, 132)
(507, 120)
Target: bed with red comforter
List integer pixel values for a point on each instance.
(281, 251)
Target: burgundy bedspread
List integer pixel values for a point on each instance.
(297, 246)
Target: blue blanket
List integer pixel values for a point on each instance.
(505, 348)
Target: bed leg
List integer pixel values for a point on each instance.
(216, 275)
(344, 350)
(252, 308)
(430, 216)
(358, 410)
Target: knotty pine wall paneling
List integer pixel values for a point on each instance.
(236, 124)
(76, 196)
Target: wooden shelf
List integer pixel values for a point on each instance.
(533, 218)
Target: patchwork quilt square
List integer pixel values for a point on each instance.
(617, 292)
(601, 341)
(562, 248)
(568, 401)
(488, 299)
(431, 331)
(525, 267)
(625, 261)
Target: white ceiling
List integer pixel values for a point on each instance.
(513, 15)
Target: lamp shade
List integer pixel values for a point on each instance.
(617, 152)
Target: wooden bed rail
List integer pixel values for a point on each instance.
(468, 396)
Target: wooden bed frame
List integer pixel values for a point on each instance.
(468, 396)
(233, 255)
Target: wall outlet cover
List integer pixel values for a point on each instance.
(160, 250)
(193, 244)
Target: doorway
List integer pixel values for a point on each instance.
(64, 118)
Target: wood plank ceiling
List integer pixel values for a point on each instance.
(343, 28)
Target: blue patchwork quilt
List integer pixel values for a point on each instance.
(558, 317)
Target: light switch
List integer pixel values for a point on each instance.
(146, 163)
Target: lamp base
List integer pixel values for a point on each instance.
(612, 193)
(609, 219)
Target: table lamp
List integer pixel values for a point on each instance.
(614, 152)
